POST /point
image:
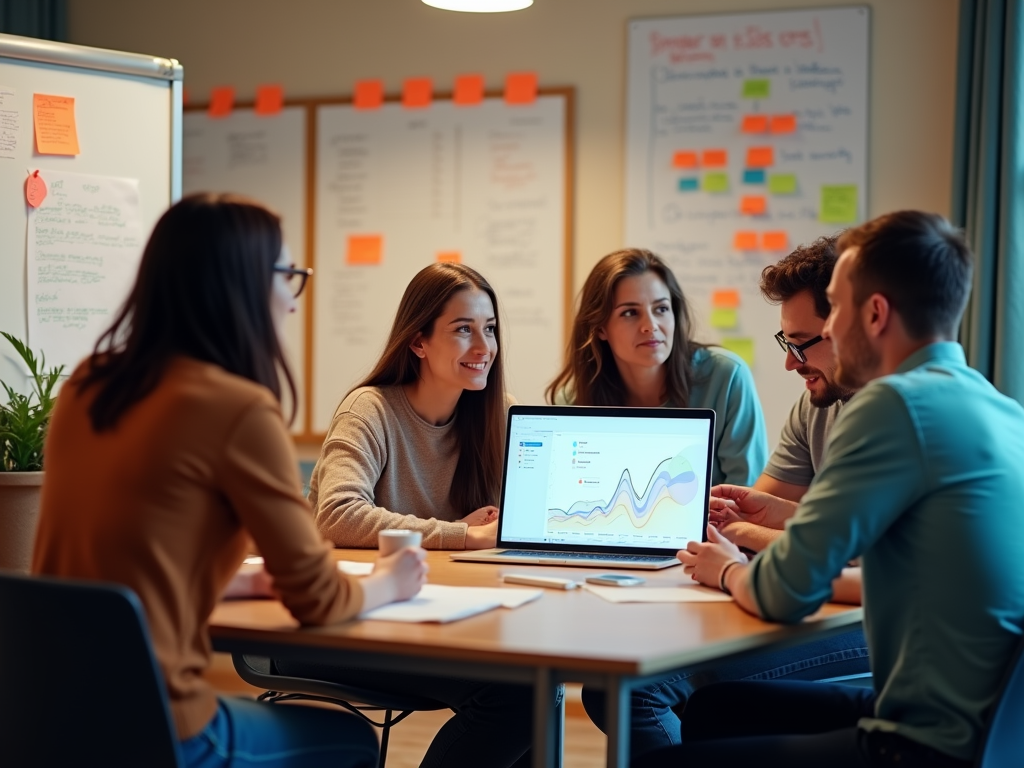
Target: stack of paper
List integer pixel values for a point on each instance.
(442, 604)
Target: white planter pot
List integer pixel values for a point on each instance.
(19, 513)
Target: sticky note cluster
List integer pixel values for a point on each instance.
(758, 123)
(725, 304)
(773, 240)
(709, 158)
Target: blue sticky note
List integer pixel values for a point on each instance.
(753, 176)
(689, 184)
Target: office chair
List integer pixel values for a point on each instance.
(260, 672)
(109, 707)
(1002, 743)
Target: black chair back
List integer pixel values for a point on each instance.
(1003, 743)
(79, 685)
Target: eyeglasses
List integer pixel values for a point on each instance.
(296, 277)
(796, 349)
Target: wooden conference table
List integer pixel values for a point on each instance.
(565, 636)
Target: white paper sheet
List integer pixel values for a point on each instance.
(10, 124)
(684, 593)
(442, 604)
(84, 246)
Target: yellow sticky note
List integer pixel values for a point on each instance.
(743, 347)
(757, 89)
(782, 183)
(838, 204)
(716, 182)
(364, 249)
(724, 317)
(56, 130)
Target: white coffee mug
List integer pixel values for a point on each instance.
(391, 541)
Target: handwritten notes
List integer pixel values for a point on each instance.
(84, 244)
(10, 124)
(838, 204)
(364, 250)
(56, 128)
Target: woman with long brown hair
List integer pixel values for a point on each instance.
(419, 445)
(631, 345)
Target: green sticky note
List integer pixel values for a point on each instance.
(724, 317)
(743, 347)
(716, 182)
(782, 183)
(757, 89)
(838, 204)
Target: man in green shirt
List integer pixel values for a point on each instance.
(918, 462)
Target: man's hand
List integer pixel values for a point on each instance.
(481, 516)
(734, 503)
(482, 536)
(705, 561)
(748, 535)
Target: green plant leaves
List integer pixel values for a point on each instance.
(23, 423)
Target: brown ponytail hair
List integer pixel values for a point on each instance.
(590, 375)
(480, 415)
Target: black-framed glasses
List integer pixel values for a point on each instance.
(796, 349)
(296, 277)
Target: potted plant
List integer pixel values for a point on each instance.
(23, 423)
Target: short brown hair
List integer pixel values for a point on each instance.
(919, 262)
(808, 268)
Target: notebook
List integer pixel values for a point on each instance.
(602, 487)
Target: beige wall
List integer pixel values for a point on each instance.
(320, 47)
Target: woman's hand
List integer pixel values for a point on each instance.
(482, 536)
(399, 576)
(481, 516)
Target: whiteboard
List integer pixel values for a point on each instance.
(128, 111)
(487, 181)
(793, 87)
(263, 157)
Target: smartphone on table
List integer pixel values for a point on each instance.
(616, 580)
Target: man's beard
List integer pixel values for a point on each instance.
(856, 360)
(833, 392)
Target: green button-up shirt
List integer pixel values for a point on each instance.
(924, 480)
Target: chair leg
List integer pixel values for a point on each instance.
(385, 732)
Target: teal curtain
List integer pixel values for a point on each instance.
(988, 185)
(47, 19)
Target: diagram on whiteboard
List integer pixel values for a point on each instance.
(611, 489)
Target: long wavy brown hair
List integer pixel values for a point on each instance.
(480, 414)
(590, 375)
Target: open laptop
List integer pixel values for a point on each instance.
(602, 487)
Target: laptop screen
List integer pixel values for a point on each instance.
(593, 479)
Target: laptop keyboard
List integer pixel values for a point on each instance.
(585, 556)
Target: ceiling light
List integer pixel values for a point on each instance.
(480, 6)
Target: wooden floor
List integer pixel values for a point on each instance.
(584, 743)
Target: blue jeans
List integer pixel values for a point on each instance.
(655, 708)
(246, 734)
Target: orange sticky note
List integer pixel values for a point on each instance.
(369, 94)
(753, 205)
(783, 123)
(449, 257)
(469, 90)
(760, 157)
(56, 129)
(269, 100)
(521, 88)
(417, 92)
(364, 249)
(775, 241)
(755, 123)
(728, 297)
(714, 158)
(684, 160)
(745, 241)
(222, 101)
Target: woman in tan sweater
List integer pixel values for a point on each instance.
(168, 458)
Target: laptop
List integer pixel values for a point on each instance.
(602, 487)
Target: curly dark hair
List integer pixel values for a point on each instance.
(808, 268)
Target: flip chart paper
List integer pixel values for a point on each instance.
(222, 101)
(727, 297)
(760, 157)
(450, 257)
(838, 204)
(691, 184)
(754, 124)
(417, 92)
(757, 89)
(521, 88)
(714, 158)
(775, 241)
(84, 244)
(743, 347)
(10, 124)
(684, 160)
(716, 182)
(753, 176)
(369, 94)
(364, 250)
(469, 90)
(269, 100)
(745, 241)
(782, 183)
(783, 124)
(753, 205)
(56, 129)
(724, 317)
